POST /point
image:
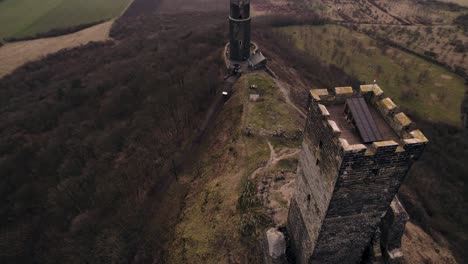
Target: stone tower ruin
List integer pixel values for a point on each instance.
(357, 150)
(239, 30)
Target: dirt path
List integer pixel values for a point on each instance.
(285, 92)
(267, 165)
(14, 55)
(216, 106)
(284, 153)
(275, 158)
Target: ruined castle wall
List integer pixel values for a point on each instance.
(394, 225)
(300, 239)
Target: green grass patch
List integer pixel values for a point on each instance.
(258, 153)
(20, 18)
(416, 85)
(270, 112)
(288, 165)
(253, 218)
(203, 226)
(278, 142)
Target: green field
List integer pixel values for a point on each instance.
(20, 18)
(420, 87)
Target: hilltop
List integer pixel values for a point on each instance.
(106, 159)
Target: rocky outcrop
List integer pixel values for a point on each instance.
(275, 247)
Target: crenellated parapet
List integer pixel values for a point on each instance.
(411, 140)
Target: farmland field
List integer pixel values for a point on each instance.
(20, 18)
(420, 87)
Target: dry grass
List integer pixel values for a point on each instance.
(422, 39)
(434, 97)
(419, 247)
(213, 226)
(14, 55)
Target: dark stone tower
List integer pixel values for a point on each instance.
(239, 29)
(355, 155)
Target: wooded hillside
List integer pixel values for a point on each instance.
(89, 139)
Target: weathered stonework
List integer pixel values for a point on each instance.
(239, 30)
(393, 227)
(343, 189)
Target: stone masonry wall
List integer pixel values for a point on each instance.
(343, 190)
(393, 227)
(318, 171)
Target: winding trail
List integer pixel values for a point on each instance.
(285, 93)
(275, 157)
(284, 153)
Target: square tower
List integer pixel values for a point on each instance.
(357, 150)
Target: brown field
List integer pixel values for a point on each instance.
(268, 7)
(369, 11)
(197, 5)
(13, 55)
(426, 28)
(445, 41)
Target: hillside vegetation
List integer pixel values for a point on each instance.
(91, 140)
(434, 190)
(224, 218)
(21, 18)
(432, 29)
(424, 88)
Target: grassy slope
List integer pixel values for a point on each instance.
(436, 97)
(28, 17)
(214, 227)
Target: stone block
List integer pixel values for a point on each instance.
(388, 106)
(393, 225)
(344, 91)
(334, 127)
(324, 110)
(319, 94)
(394, 256)
(276, 243)
(402, 121)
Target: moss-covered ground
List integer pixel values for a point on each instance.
(223, 217)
